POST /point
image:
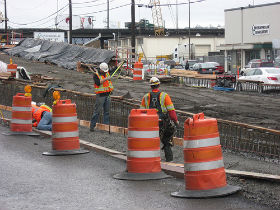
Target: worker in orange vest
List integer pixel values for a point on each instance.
(166, 111)
(42, 118)
(103, 88)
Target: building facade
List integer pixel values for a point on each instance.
(251, 32)
(152, 47)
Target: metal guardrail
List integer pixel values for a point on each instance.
(239, 137)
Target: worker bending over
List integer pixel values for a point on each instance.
(161, 101)
(42, 117)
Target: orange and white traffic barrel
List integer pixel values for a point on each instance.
(21, 123)
(143, 147)
(12, 68)
(137, 71)
(203, 160)
(65, 131)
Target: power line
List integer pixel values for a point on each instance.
(164, 5)
(92, 5)
(124, 5)
(40, 19)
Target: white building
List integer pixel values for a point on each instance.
(153, 47)
(251, 32)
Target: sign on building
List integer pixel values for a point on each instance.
(51, 36)
(260, 29)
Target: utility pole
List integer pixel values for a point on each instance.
(190, 57)
(56, 21)
(6, 25)
(70, 23)
(177, 25)
(133, 28)
(108, 20)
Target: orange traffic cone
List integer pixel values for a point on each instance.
(65, 132)
(204, 168)
(143, 143)
(21, 123)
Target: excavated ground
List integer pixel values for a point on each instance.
(251, 108)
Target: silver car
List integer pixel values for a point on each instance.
(265, 75)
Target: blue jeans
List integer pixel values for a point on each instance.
(101, 102)
(46, 122)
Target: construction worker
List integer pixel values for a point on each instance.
(42, 117)
(166, 111)
(103, 89)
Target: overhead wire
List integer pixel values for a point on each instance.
(104, 10)
(40, 19)
(93, 5)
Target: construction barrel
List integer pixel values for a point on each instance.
(12, 68)
(65, 131)
(21, 123)
(143, 146)
(203, 160)
(137, 71)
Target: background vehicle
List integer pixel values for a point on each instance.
(191, 63)
(277, 62)
(256, 63)
(208, 68)
(265, 75)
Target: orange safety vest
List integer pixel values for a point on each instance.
(37, 114)
(164, 99)
(106, 87)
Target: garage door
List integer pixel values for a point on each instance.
(202, 50)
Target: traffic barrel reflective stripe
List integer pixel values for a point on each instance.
(143, 154)
(143, 134)
(23, 122)
(137, 71)
(21, 113)
(202, 143)
(21, 109)
(65, 119)
(204, 166)
(65, 134)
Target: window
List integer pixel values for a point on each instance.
(250, 72)
(258, 72)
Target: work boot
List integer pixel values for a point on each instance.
(168, 153)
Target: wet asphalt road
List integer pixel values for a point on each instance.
(29, 180)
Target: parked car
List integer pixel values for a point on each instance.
(256, 63)
(264, 74)
(208, 68)
(277, 62)
(191, 63)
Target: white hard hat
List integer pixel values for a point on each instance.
(154, 81)
(104, 67)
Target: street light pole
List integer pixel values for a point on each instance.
(6, 25)
(189, 30)
(70, 22)
(108, 8)
(133, 28)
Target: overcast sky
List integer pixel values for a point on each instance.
(42, 13)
